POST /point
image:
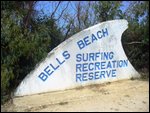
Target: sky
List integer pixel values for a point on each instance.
(44, 7)
(125, 5)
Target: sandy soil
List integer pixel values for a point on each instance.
(126, 95)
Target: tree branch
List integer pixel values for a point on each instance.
(78, 14)
(69, 28)
(26, 19)
(62, 11)
(130, 43)
(55, 9)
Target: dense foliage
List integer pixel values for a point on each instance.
(23, 42)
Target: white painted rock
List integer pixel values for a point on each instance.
(92, 56)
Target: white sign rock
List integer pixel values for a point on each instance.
(92, 56)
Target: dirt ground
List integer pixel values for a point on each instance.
(126, 95)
